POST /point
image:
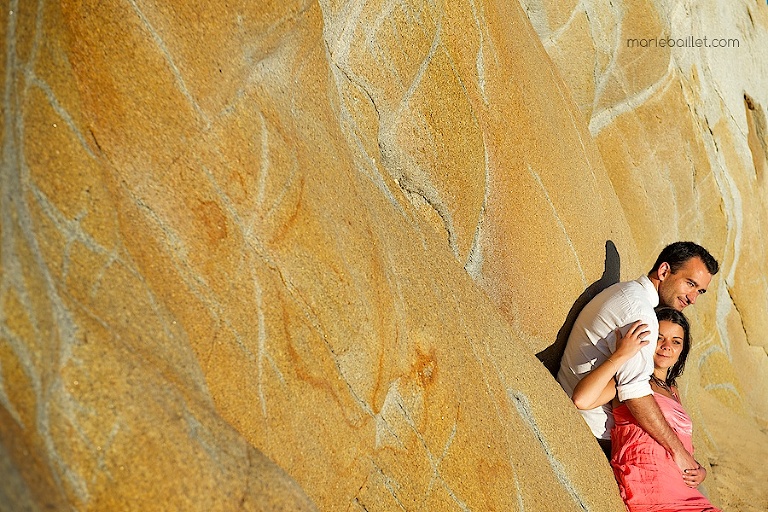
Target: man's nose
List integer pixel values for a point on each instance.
(692, 296)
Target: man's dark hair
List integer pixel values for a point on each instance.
(676, 317)
(677, 253)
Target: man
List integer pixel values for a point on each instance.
(681, 273)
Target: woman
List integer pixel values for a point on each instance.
(649, 480)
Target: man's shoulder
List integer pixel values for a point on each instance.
(619, 289)
(629, 296)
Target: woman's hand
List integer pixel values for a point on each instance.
(631, 343)
(598, 387)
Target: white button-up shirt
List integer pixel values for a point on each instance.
(593, 340)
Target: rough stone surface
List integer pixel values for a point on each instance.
(299, 255)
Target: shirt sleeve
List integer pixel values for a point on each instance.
(633, 377)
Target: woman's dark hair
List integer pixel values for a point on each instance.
(676, 317)
(676, 254)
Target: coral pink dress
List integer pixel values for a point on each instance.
(649, 480)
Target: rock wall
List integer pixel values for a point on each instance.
(682, 132)
(303, 255)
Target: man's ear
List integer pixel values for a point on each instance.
(664, 271)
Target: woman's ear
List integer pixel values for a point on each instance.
(663, 271)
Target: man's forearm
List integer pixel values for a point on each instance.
(648, 414)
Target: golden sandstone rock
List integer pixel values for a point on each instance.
(279, 256)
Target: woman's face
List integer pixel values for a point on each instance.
(669, 346)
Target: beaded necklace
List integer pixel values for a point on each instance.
(660, 383)
(663, 385)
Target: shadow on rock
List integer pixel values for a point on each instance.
(551, 355)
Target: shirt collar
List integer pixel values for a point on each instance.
(650, 290)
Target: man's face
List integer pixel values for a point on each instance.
(684, 286)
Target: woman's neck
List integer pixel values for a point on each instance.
(660, 373)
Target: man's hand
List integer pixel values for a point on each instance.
(693, 477)
(683, 459)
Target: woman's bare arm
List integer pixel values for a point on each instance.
(598, 387)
